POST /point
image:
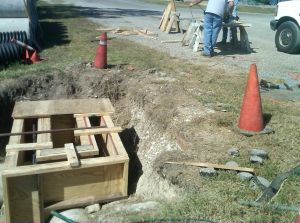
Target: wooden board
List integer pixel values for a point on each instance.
(24, 200)
(217, 166)
(80, 183)
(62, 166)
(112, 140)
(84, 140)
(166, 18)
(170, 24)
(173, 5)
(29, 146)
(60, 153)
(47, 108)
(71, 155)
(43, 124)
(97, 131)
(12, 159)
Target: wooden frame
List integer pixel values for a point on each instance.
(72, 176)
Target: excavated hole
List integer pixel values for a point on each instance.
(67, 85)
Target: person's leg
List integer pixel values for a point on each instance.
(225, 30)
(217, 25)
(208, 26)
(225, 33)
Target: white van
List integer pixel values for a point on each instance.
(286, 23)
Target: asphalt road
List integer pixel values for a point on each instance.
(272, 65)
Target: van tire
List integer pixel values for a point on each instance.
(287, 38)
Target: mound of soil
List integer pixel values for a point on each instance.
(162, 121)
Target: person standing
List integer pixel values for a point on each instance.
(229, 18)
(213, 18)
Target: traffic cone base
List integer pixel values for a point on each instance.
(251, 117)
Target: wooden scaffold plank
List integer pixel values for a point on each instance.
(32, 109)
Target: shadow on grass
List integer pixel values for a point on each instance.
(68, 11)
(53, 33)
(267, 118)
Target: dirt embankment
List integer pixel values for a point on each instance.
(161, 118)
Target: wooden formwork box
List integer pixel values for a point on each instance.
(51, 182)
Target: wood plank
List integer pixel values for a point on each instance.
(166, 18)
(162, 18)
(29, 146)
(71, 155)
(37, 201)
(48, 108)
(125, 178)
(87, 115)
(217, 166)
(84, 140)
(116, 146)
(91, 137)
(80, 183)
(63, 165)
(97, 131)
(170, 24)
(60, 153)
(173, 6)
(20, 198)
(43, 124)
(12, 159)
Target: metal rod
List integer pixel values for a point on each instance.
(49, 131)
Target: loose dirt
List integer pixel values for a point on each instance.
(162, 121)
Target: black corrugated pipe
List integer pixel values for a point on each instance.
(10, 52)
(5, 37)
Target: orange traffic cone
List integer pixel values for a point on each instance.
(35, 57)
(251, 117)
(100, 60)
(298, 218)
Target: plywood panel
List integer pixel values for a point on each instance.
(80, 183)
(59, 107)
(23, 199)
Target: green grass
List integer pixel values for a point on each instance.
(241, 8)
(67, 41)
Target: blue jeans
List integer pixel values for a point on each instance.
(212, 27)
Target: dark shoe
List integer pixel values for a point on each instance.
(206, 54)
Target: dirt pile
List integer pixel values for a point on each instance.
(162, 119)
